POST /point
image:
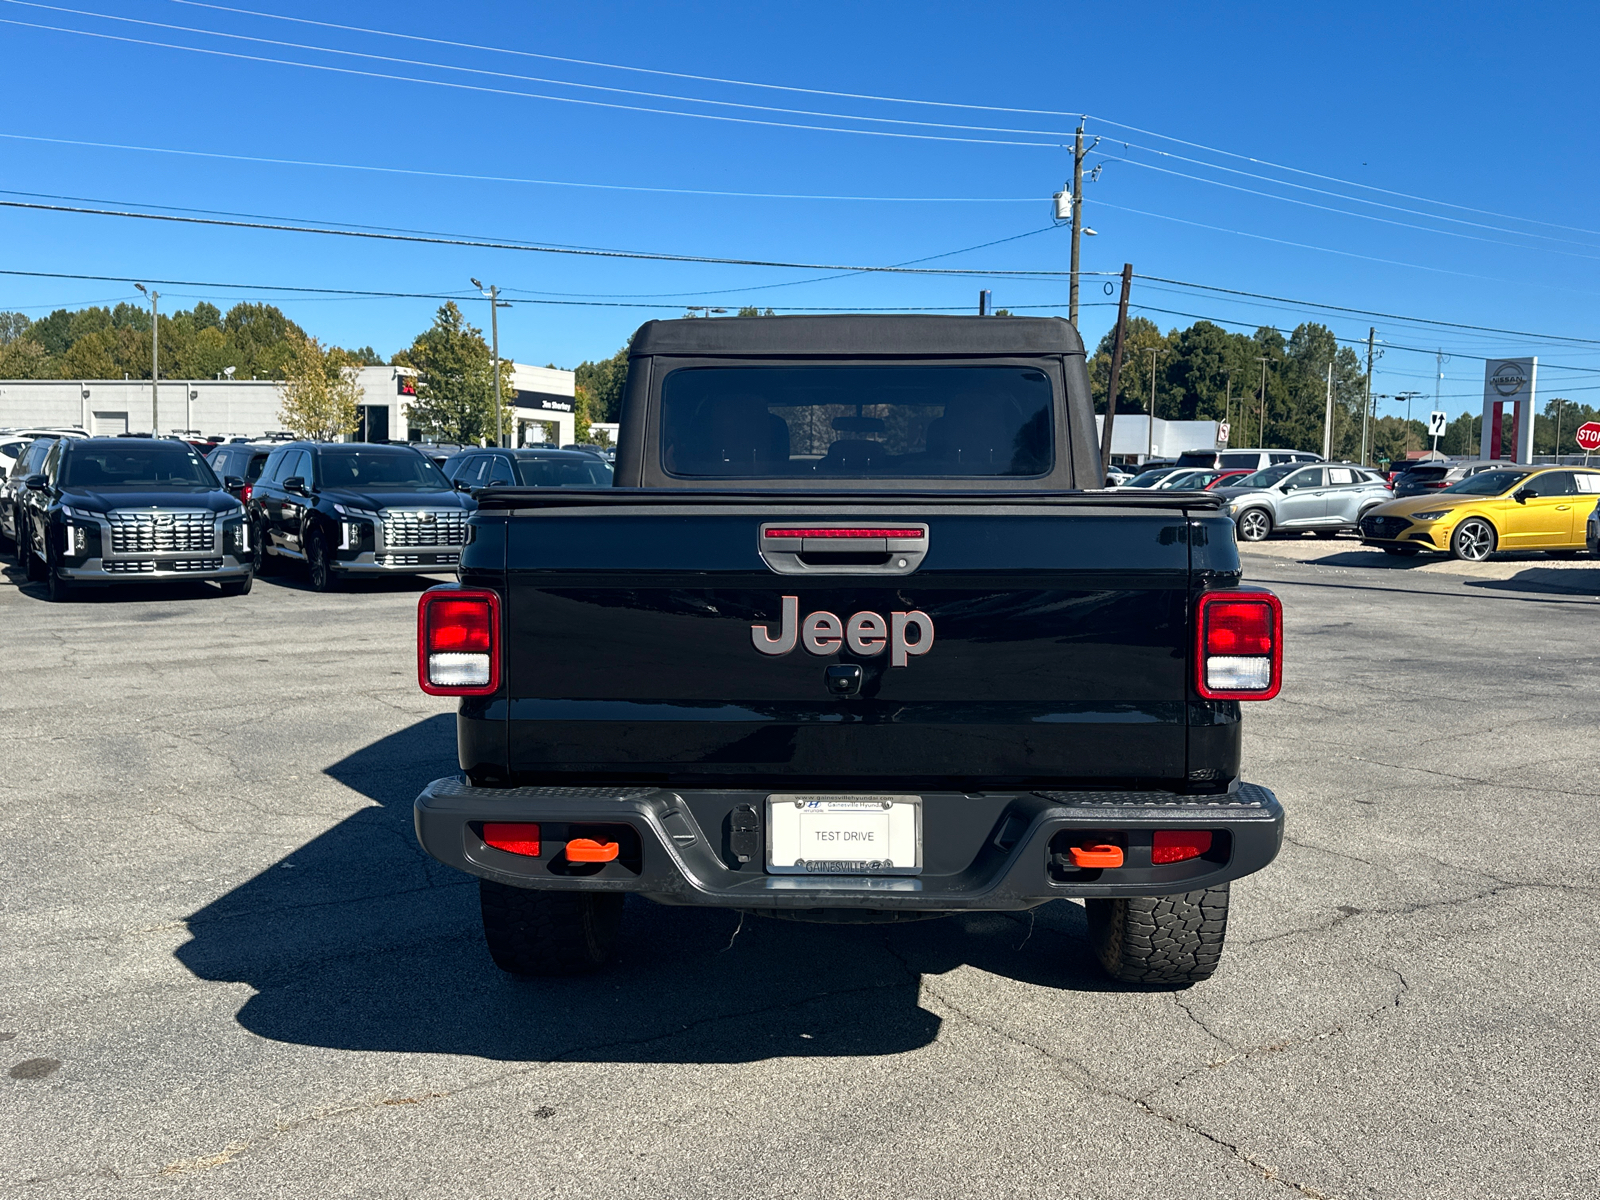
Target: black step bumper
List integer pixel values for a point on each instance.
(1001, 850)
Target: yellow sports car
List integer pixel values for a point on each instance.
(1514, 508)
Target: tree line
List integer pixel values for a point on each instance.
(454, 364)
(1269, 387)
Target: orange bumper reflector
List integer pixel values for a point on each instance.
(1179, 845)
(1096, 856)
(514, 837)
(589, 850)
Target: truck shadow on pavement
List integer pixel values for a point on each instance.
(359, 941)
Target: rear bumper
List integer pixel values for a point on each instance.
(988, 851)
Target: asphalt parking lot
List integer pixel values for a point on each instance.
(231, 972)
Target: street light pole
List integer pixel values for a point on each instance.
(1366, 406)
(494, 341)
(155, 357)
(1261, 423)
(1150, 421)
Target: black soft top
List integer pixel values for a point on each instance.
(855, 335)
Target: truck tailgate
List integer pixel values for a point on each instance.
(1060, 654)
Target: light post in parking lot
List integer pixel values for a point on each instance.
(493, 293)
(1408, 397)
(155, 358)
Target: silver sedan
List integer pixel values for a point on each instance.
(1326, 499)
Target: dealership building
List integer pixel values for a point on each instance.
(542, 407)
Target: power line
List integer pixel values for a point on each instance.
(879, 99)
(1336, 195)
(1365, 312)
(596, 87)
(475, 87)
(1347, 213)
(610, 187)
(532, 248)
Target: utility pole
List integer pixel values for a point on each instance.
(155, 357)
(1366, 405)
(1227, 406)
(1261, 423)
(1077, 221)
(1116, 369)
(493, 293)
(1327, 420)
(1150, 421)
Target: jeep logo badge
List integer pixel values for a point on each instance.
(866, 633)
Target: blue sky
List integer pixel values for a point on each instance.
(1471, 105)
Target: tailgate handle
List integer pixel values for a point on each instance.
(843, 548)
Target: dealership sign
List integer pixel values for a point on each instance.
(1508, 382)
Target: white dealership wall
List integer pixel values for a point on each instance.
(249, 407)
(544, 411)
(1131, 436)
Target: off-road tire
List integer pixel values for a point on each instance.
(540, 933)
(318, 568)
(1161, 940)
(1254, 525)
(1403, 551)
(237, 587)
(1474, 540)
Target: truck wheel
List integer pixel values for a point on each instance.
(549, 933)
(1254, 525)
(1160, 939)
(237, 587)
(1474, 540)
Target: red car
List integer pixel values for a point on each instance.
(1226, 478)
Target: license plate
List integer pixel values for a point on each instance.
(844, 835)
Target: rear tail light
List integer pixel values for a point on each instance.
(244, 494)
(458, 642)
(1239, 645)
(1179, 845)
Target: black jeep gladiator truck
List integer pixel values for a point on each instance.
(857, 635)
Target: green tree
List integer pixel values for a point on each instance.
(455, 385)
(750, 310)
(12, 326)
(319, 392)
(602, 383)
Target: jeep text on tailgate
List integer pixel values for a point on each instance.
(849, 640)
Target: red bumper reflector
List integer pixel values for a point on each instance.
(514, 837)
(1177, 845)
(844, 533)
(1096, 856)
(589, 850)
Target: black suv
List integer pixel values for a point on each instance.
(239, 462)
(105, 510)
(472, 469)
(356, 508)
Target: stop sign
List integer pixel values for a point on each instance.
(1588, 436)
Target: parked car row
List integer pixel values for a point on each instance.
(87, 510)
